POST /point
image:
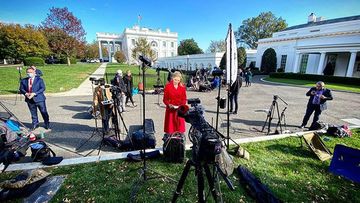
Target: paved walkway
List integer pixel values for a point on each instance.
(72, 125)
(85, 87)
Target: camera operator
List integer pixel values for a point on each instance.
(174, 96)
(120, 84)
(317, 102)
(102, 99)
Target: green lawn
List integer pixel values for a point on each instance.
(293, 173)
(150, 74)
(58, 78)
(309, 83)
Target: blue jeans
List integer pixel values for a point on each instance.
(234, 99)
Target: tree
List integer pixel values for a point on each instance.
(217, 46)
(241, 55)
(92, 50)
(241, 52)
(120, 57)
(262, 26)
(268, 61)
(19, 42)
(142, 47)
(64, 31)
(188, 47)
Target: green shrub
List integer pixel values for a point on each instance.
(324, 78)
(268, 61)
(280, 70)
(36, 61)
(63, 60)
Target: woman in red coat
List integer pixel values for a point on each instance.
(174, 96)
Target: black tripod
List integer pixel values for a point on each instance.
(270, 116)
(96, 131)
(144, 169)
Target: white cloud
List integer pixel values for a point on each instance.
(93, 9)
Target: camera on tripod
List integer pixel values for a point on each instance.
(206, 141)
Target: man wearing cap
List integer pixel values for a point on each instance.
(33, 88)
(317, 102)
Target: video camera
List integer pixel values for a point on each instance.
(145, 60)
(206, 141)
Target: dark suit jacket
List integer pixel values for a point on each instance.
(326, 93)
(235, 87)
(38, 87)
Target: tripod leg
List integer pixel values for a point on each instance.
(200, 182)
(182, 180)
(211, 180)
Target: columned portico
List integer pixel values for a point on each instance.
(350, 68)
(321, 63)
(296, 62)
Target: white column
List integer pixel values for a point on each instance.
(296, 63)
(321, 63)
(100, 51)
(109, 51)
(350, 69)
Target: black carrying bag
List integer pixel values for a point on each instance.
(174, 148)
(41, 152)
(260, 192)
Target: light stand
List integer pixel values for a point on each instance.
(144, 169)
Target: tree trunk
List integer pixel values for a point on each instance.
(68, 60)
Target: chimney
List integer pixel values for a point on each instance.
(312, 18)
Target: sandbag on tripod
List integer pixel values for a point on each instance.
(140, 141)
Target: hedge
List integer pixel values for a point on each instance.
(324, 78)
(64, 60)
(36, 61)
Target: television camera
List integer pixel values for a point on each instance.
(207, 144)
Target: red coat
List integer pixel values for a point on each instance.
(176, 97)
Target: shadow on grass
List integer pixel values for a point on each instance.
(293, 150)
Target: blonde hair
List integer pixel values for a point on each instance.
(177, 74)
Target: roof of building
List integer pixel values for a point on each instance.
(323, 22)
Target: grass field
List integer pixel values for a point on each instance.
(293, 173)
(309, 83)
(150, 74)
(58, 78)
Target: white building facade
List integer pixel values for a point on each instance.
(164, 43)
(199, 61)
(309, 48)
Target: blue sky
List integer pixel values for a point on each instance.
(199, 19)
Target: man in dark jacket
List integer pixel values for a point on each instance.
(234, 92)
(33, 88)
(317, 102)
(120, 84)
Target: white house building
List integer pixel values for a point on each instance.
(164, 43)
(198, 61)
(308, 48)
